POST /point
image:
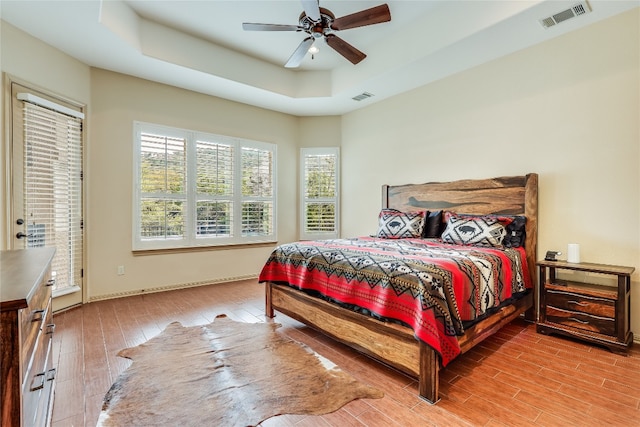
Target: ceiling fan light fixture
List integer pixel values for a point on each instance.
(321, 23)
(313, 50)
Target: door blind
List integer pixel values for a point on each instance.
(53, 189)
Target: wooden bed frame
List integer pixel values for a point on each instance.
(396, 345)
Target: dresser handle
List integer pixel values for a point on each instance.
(38, 315)
(584, 322)
(51, 374)
(51, 327)
(582, 304)
(51, 282)
(40, 378)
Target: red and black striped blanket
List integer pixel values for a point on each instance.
(430, 286)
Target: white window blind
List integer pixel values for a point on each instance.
(163, 186)
(196, 189)
(257, 191)
(53, 189)
(320, 193)
(214, 189)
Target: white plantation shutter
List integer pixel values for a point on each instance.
(320, 193)
(196, 189)
(53, 189)
(214, 189)
(257, 192)
(163, 186)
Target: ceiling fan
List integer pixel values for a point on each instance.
(319, 23)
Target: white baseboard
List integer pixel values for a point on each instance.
(170, 287)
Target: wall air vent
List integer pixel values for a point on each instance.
(363, 95)
(575, 10)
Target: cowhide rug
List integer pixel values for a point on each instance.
(226, 373)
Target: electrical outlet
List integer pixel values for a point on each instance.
(120, 270)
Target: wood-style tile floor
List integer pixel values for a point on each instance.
(514, 378)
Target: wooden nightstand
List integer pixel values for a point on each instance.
(595, 313)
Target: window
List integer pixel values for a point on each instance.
(320, 193)
(196, 189)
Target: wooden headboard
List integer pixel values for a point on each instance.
(513, 195)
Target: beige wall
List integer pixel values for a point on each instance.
(117, 101)
(320, 131)
(568, 109)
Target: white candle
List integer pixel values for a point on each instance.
(573, 253)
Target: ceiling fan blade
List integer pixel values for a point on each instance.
(311, 9)
(250, 26)
(345, 49)
(375, 15)
(297, 56)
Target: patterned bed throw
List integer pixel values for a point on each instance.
(430, 286)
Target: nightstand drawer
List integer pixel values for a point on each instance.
(578, 320)
(600, 307)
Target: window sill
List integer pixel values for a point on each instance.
(65, 291)
(143, 252)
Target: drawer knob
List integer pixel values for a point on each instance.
(38, 315)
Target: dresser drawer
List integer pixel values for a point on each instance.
(600, 307)
(39, 380)
(34, 320)
(579, 320)
(36, 362)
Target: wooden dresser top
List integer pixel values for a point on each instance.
(21, 270)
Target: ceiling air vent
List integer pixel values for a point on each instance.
(575, 10)
(363, 95)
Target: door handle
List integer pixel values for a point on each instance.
(22, 235)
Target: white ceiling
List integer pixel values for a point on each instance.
(201, 46)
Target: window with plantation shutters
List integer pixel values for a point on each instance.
(52, 189)
(214, 189)
(320, 193)
(163, 192)
(257, 191)
(196, 189)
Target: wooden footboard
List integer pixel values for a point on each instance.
(388, 343)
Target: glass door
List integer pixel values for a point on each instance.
(47, 193)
